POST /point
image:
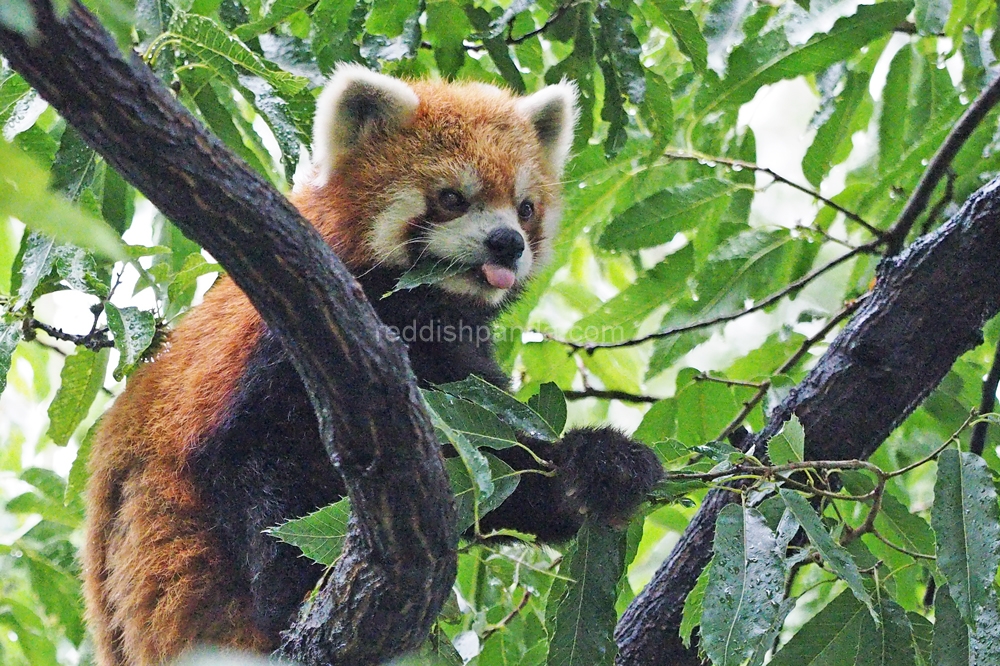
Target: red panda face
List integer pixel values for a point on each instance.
(464, 176)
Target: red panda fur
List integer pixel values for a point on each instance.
(157, 577)
(154, 581)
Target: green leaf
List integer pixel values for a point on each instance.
(425, 273)
(659, 423)
(77, 268)
(59, 592)
(133, 331)
(844, 633)
(622, 315)
(704, 409)
(835, 133)
(476, 465)
(15, 97)
(578, 66)
(336, 25)
(479, 426)
(684, 27)
(694, 605)
(10, 335)
(624, 75)
(958, 644)
(81, 380)
(284, 116)
(931, 15)
(387, 17)
(217, 116)
(76, 168)
(788, 445)
(895, 102)
(769, 58)
(47, 499)
(206, 40)
(895, 522)
(584, 617)
(745, 587)
(659, 218)
(966, 522)
(550, 404)
(77, 480)
(724, 30)
(24, 194)
(834, 555)
(276, 13)
(320, 535)
(658, 109)
(467, 502)
(32, 636)
(186, 278)
(509, 409)
(447, 28)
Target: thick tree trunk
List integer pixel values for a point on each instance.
(927, 309)
(400, 557)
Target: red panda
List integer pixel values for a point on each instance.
(215, 440)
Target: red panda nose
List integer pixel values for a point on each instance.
(506, 245)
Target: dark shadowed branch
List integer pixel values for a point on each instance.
(986, 405)
(400, 558)
(927, 308)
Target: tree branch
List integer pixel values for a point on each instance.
(927, 308)
(400, 555)
(986, 404)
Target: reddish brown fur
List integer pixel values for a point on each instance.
(156, 582)
(476, 124)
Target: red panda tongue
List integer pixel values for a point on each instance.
(498, 276)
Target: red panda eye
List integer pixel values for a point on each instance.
(452, 200)
(526, 210)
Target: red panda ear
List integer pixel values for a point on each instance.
(354, 99)
(552, 110)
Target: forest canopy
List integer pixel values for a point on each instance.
(746, 177)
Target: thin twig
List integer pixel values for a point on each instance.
(95, 340)
(701, 157)
(869, 524)
(934, 454)
(705, 377)
(986, 403)
(791, 362)
(493, 628)
(939, 165)
(772, 471)
(553, 17)
(789, 290)
(825, 235)
(624, 396)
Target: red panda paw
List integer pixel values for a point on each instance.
(605, 473)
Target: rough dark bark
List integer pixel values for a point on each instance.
(400, 557)
(927, 309)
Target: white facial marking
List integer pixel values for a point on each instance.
(388, 236)
(462, 240)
